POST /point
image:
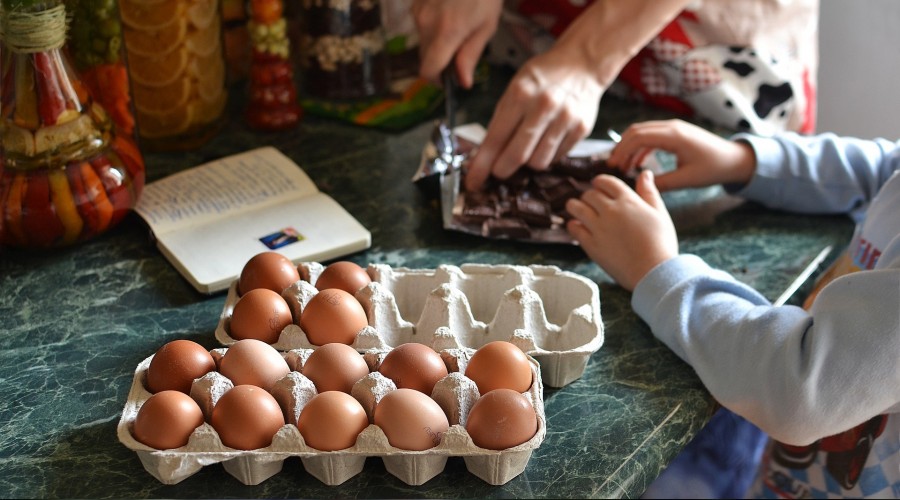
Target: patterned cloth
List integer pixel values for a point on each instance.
(747, 65)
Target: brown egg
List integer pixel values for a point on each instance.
(331, 421)
(411, 420)
(260, 314)
(335, 367)
(268, 270)
(498, 365)
(414, 366)
(345, 275)
(501, 419)
(176, 364)
(167, 419)
(332, 315)
(247, 417)
(253, 362)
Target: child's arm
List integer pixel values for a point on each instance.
(798, 375)
(819, 174)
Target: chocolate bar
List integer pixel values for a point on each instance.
(530, 205)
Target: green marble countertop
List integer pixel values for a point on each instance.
(75, 322)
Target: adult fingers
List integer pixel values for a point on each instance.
(469, 54)
(503, 124)
(549, 146)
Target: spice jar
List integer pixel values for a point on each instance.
(177, 68)
(273, 93)
(343, 49)
(66, 174)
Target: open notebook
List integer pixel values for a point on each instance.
(211, 219)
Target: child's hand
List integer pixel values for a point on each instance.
(704, 159)
(625, 232)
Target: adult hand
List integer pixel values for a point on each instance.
(454, 30)
(704, 159)
(626, 232)
(550, 104)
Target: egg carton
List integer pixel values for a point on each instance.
(552, 315)
(455, 393)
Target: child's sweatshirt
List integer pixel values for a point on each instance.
(823, 383)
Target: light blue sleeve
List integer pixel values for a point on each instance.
(797, 375)
(819, 174)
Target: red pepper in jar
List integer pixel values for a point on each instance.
(7, 87)
(51, 102)
(12, 213)
(117, 191)
(93, 186)
(42, 226)
(85, 206)
(6, 179)
(26, 108)
(131, 157)
(109, 84)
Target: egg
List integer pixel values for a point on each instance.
(335, 367)
(344, 275)
(331, 421)
(501, 419)
(411, 420)
(247, 418)
(176, 364)
(253, 362)
(414, 366)
(332, 315)
(499, 364)
(167, 419)
(270, 270)
(260, 314)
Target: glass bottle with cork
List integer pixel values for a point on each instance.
(67, 171)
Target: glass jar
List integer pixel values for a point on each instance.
(343, 49)
(66, 174)
(177, 67)
(273, 92)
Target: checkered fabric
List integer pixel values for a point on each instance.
(880, 476)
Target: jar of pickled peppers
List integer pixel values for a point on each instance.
(69, 168)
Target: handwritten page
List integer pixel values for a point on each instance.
(211, 219)
(230, 185)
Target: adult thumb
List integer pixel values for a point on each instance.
(646, 189)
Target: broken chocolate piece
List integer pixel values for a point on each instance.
(506, 228)
(530, 204)
(582, 168)
(533, 211)
(559, 193)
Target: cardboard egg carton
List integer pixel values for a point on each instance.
(552, 315)
(455, 393)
